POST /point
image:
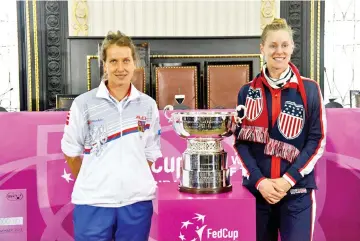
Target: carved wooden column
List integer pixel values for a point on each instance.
(56, 32)
(307, 19)
(43, 30)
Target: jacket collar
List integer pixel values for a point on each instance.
(103, 92)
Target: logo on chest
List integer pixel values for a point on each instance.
(97, 135)
(291, 120)
(141, 120)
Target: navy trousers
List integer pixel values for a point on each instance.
(128, 223)
(293, 217)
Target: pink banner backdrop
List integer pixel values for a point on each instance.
(13, 222)
(32, 167)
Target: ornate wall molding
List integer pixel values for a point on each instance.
(43, 58)
(36, 56)
(52, 24)
(142, 18)
(296, 13)
(28, 56)
(295, 20)
(267, 12)
(79, 18)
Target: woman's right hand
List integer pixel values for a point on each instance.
(270, 191)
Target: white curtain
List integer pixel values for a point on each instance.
(342, 50)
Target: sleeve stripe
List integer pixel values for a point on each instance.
(289, 178)
(258, 182)
(309, 165)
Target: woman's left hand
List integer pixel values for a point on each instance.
(282, 183)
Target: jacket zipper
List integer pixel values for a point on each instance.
(276, 108)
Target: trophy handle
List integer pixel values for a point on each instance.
(239, 108)
(166, 110)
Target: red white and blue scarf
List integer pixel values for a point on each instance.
(285, 137)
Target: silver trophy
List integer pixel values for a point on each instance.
(204, 167)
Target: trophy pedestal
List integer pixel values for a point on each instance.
(232, 214)
(204, 168)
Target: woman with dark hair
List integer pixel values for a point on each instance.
(117, 129)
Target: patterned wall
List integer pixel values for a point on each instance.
(171, 17)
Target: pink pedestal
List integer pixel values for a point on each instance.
(215, 217)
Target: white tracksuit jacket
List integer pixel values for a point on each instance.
(116, 140)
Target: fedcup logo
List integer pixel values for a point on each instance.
(196, 229)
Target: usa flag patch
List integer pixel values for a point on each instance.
(254, 104)
(291, 120)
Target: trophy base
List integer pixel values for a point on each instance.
(205, 190)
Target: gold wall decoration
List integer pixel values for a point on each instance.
(318, 42)
(258, 56)
(29, 67)
(315, 34)
(36, 57)
(312, 36)
(88, 69)
(32, 54)
(267, 12)
(80, 12)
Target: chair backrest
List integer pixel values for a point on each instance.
(177, 80)
(139, 79)
(223, 82)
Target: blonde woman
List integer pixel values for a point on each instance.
(281, 139)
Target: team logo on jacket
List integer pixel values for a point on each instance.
(291, 120)
(254, 104)
(141, 123)
(97, 135)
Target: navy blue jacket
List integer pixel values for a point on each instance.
(257, 166)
